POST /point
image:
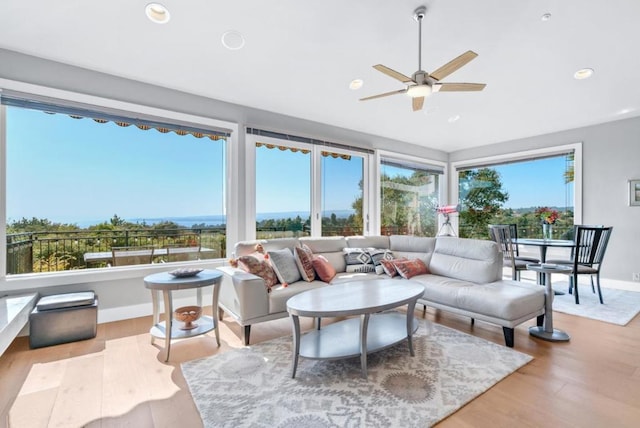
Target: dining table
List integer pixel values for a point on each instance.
(544, 244)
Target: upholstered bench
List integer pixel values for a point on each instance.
(63, 318)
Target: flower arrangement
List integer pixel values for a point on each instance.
(547, 215)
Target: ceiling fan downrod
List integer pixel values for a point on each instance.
(418, 15)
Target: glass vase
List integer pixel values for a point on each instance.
(547, 231)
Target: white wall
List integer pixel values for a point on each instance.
(610, 157)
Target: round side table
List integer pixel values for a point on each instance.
(166, 283)
(546, 331)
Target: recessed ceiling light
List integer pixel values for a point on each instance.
(232, 40)
(157, 13)
(583, 73)
(545, 17)
(454, 118)
(625, 111)
(356, 84)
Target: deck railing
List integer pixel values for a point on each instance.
(52, 251)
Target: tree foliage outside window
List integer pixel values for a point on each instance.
(482, 197)
(408, 202)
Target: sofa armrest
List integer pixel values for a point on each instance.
(243, 294)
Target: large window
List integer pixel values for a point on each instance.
(516, 192)
(409, 196)
(306, 187)
(83, 183)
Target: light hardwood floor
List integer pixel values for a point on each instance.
(118, 379)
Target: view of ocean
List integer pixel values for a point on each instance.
(212, 220)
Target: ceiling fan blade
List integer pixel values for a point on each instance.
(459, 87)
(453, 65)
(386, 94)
(418, 102)
(392, 73)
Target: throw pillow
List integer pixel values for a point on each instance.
(326, 272)
(260, 267)
(358, 260)
(389, 268)
(284, 265)
(410, 268)
(304, 260)
(377, 255)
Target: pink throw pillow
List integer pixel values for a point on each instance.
(325, 271)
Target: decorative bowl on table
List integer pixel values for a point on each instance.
(185, 272)
(187, 315)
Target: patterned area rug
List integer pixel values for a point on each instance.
(252, 387)
(619, 306)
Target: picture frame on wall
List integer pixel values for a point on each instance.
(634, 193)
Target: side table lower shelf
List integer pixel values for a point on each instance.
(205, 324)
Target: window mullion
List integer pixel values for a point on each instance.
(316, 191)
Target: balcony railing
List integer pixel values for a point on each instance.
(52, 251)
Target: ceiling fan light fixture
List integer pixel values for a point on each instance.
(157, 13)
(419, 91)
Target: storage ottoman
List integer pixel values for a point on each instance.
(63, 318)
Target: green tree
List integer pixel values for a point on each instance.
(481, 198)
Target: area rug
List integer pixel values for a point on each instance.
(252, 386)
(619, 306)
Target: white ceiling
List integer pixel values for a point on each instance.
(300, 57)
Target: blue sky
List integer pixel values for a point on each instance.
(72, 170)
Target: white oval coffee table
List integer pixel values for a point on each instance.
(372, 331)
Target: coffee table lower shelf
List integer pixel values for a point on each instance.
(342, 339)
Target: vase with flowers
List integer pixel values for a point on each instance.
(548, 218)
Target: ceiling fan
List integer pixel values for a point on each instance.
(421, 84)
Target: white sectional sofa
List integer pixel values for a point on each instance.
(465, 278)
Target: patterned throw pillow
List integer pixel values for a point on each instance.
(358, 260)
(410, 268)
(389, 268)
(284, 265)
(377, 255)
(259, 266)
(304, 260)
(323, 268)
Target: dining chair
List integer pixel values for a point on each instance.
(502, 235)
(513, 231)
(135, 255)
(591, 245)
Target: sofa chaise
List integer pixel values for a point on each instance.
(464, 277)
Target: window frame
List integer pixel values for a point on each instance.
(524, 155)
(316, 180)
(400, 157)
(46, 279)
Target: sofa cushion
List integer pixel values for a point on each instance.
(243, 248)
(412, 247)
(474, 260)
(284, 265)
(280, 294)
(327, 244)
(343, 277)
(304, 260)
(323, 268)
(368, 242)
(410, 268)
